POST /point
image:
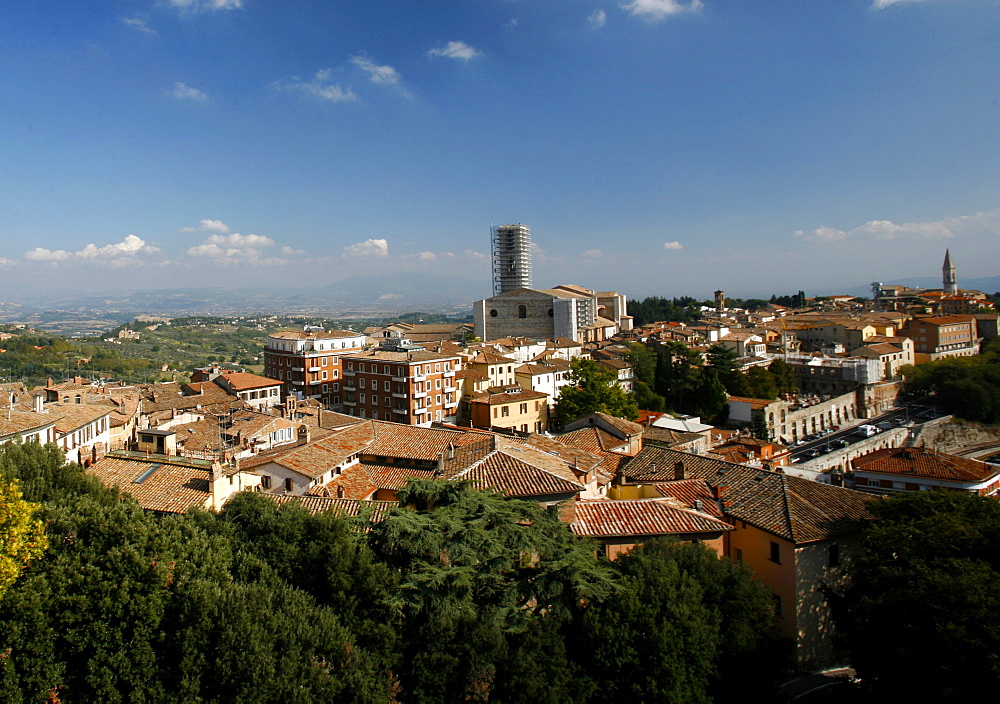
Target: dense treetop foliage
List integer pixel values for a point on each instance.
(593, 388)
(458, 595)
(921, 615)
(968, 387)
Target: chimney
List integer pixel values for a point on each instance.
(97, 452)
(303, 435)
(37, 402)
(679, 470)
(48, 383)
(567, 511)
(698, 506)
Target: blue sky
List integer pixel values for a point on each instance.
(654, 146)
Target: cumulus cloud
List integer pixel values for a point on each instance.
(455, 50)
(673, 245)
(209, 225)
(205, 5)
(138, 24)
(319, 87)
(289, 251)
(598, 18)
(368, 248)
(234, 248)
(473, 254)
(186, 92)
(381, 75)
(656, 10)
(888, 230)
(118, 253)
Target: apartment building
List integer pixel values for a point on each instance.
(308, 363)
(935, 337)
(512, 408)
(411, 386)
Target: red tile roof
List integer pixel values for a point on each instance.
(605, 518)
(925, 463)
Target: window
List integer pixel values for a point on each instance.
(775, 553)
(387, 401)
(336, 387)
(289, 485)
(493, 313)
(361, 382)
(374, 400)
(265, 481)
(387, 381)
(505, 411)
(523, 408)
(522, 311)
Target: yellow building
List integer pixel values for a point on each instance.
(793, 533)
(510, 407)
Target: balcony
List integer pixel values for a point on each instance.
(419, 394)
(349, 372)
(448, 375)
(450, 404)
(420, 411)
(350, 403)
(298, 369)
(400, 411)
(399, 379)
(399, 394)
(450, 389)
(314, 382)
(350, 386)
(298, 382)
(314, 369)
(419, 377)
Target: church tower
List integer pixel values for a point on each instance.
(950, 286)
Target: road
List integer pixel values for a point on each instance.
(916, 413)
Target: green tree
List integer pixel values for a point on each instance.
(685, 626)
(22, 535)
(762, 383)
(677, 369)
(784, 377)
(593, 388)
(922, 597)
(485, 586)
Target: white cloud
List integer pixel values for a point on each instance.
(455, 50)
(320, 87)
(656, 10)
(888, 230)
(382, 75)
(673, 245)
(40, 254)
(119, 253)
(212, 225)
(598, 18)
(185, 92)
(592, 254)
(473, 254)
(205, 5)
(289, 251)
(6, 262)
(882, 4)
(139, 24)
(368, 248)
(234, 248)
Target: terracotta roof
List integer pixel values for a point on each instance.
(653, 433)
(71, 416)
(799, 510)
(511, 467)
(687, 491)
(318, 457)
(491, 358)
(411, 441)
(502, 397)
(605, 518)
(166, 485)
(399, 357)
(342, 507)
(925, 463)
(324, 335)
(242, 381)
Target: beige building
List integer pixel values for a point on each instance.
(936, 337)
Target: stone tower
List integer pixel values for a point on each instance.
(950, 286)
